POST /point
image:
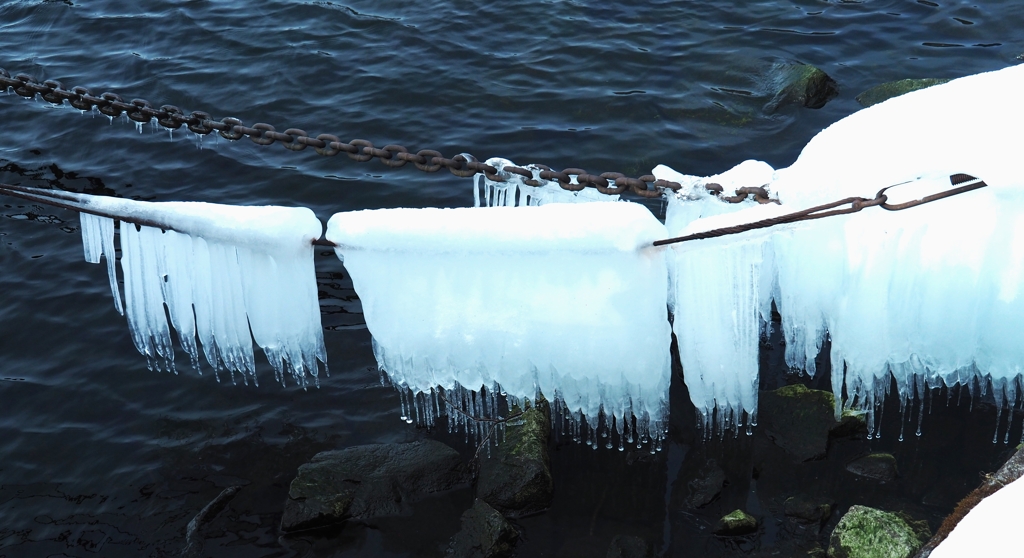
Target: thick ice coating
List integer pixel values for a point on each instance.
(222, 272)
(930, 295)
(568, 300)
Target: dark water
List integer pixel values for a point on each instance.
(100, 457)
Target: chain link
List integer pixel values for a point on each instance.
(426, 160)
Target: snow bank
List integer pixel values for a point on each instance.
(929, 295)
(568, 300)
(990, 528)
(229, 274)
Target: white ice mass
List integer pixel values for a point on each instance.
(566, 300)
(570, 300)
(930, 295)
(222, 272)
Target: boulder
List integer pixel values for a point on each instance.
(516, 479)
(736, 523)
(886, 91)
(484, 534)
(794, 83)
(806, 515)
(853, 423)
(877, 466)
(706, 486)
(369, 481)
(629, 547)
(865, 532)
(798, 419)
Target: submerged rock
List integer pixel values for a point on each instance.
(799, 84)
(877, 466)
(484, 534)
(516, 478)
(738, 522)
(805, 515)
(798, 419)
(852, 424)
(629, 547)
(887, 91)
(865, 532)
(369, 481)
(703, 489)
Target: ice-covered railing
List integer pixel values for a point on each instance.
(526, 299)
(928, 297)
(227, 274)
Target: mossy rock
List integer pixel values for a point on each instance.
(853, 423)
(369, 481)
(736, 523)
(799, 84)
(877, 466)
(516, 479)
(887, 91)
(623, 546)
(798, 419)
(485, 534)
(865, 532)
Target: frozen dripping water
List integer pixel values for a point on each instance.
(567, 300)
(225, 273)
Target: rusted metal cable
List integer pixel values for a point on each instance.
(855, 204)
(360, 150)
(963, 183)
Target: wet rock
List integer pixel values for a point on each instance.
(887, 91)
(865, 532)
(853, 424)
(806, 515)
(799, 84)
(629, 547)
(877, 466)
(706, 486)
(798, 419)
(484, 534)
(736, 523)
(369, 481)
(516, 478)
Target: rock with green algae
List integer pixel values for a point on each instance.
(516, 478)
(865, 532)
(623, 546)
(736, 523)
(369, 481)
(877, 466)
(799, 84)
(484, 534)
(887, 91)
(798, 419)
(853, 423)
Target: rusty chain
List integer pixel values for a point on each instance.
(294, 139)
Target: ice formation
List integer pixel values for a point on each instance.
(566, 300)
(514, 192)
(928, 296)
(228, 274)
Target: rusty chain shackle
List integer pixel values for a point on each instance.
(360, 150)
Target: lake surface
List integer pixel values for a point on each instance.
(101, 457)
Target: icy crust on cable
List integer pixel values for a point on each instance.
(228, 274)
(567, 300)
(929, 296)
(513, 191)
